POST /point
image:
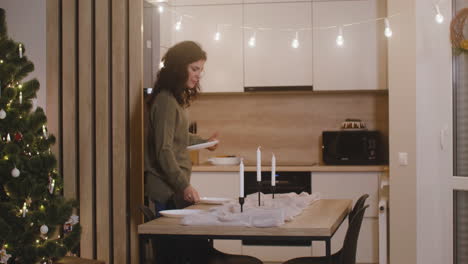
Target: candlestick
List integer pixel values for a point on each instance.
(241, 178)
(273, 170)
(259, 188)
(259, 165)
(241, 202)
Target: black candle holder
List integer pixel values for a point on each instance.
(241, 202)
(259, 188)
(273, 189)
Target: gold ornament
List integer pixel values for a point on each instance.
(464, 44)
(457, 26)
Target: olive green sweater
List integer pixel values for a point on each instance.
(167, 161)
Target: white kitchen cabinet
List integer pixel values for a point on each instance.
(352, 185)
(273, 61)
(205, 2)
(368, 242)
(223, 69)
(360, 64)
(219, 184)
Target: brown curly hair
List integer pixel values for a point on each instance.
(173, 76)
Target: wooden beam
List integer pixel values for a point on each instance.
(53, 74)
(69, 98)
(136, 122)
(119, 129)
(102, 117)
(86, 129)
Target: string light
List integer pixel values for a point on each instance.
(217, 35)
(252, 40)
(295, 42)
(178, 25)
(439, 18)
(388, 31)
(340, 38)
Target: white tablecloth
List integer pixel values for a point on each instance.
(272, 212)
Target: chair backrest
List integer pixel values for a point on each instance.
(348, 252)
(149, 215)
(357, 206)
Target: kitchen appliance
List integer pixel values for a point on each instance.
(352, 147)
(286, 182)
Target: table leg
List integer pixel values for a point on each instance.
(328, 250)
(142, 246)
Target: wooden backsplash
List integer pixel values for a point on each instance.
(287, 124)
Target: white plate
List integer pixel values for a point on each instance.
(224, 160)
(214, 200)
(203, 145)
(179, 212)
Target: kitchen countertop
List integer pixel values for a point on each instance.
(207, 167)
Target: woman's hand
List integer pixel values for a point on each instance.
(191, 195)
(213, 138)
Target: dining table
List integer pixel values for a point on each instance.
(318, 222)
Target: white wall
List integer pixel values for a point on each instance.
(26, 23)
(420, 107)
(433, 115)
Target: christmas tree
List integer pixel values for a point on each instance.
(36, 222)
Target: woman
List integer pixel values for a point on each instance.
(167, 162)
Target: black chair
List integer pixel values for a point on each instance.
(358, 205)
(347, 254)
(199, 251)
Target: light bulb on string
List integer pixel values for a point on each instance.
(388, 31)
(217, 35)
(439, 18)
(295, 42)
(340, 38)
(252, 40)
(178, 25)
(161, 9)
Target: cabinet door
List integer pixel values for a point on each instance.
(349, 185)
(205, 2)
(216, 184)
(273, 61)
(368, 242)
(219, 184)
(360, 64)
(223, 69)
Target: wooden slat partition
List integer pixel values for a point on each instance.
(86, 125)
(94, 70)
(119, 127)
(69, 98)
(53, 72)
(103, 180)
(136, 119)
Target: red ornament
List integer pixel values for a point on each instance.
(18, 136)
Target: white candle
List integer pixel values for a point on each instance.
(259, 165)
(241, 178)
(20, 50)
(8, 139)
(21, 97)
(273, 170)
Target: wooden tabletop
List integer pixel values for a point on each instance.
(321, 219)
